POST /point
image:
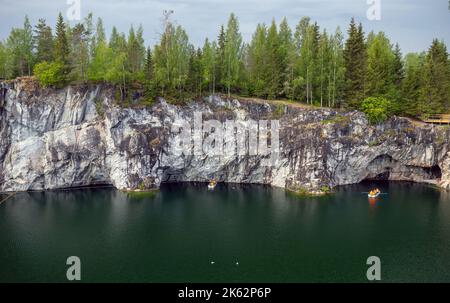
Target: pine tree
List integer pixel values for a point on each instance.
(355, 65)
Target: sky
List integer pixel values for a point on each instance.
(411, 23)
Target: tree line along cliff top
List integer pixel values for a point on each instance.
(305, 64)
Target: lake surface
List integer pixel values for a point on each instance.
(175, 235)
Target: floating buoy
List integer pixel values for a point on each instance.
(212, 262)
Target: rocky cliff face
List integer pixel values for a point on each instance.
(78, 136)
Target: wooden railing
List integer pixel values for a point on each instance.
(437, 119)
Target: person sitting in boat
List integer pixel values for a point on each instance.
(374, 192)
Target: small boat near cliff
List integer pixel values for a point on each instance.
(374, 193)
(212, 184)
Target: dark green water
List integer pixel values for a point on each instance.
(174, 235)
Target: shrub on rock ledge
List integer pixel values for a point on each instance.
(49, 73)
(377, 109)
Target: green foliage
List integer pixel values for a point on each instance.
(79, 59)
(44, 41)
(325, 189)
(61, 44)
(380, 58)
(99, 108)
(232, 55)
(306, 64)
(3, 61)
(18, 52)
(209, 66)
(101, 68)
(411, 84)
(49, 73)
(434, 94)
(338, 119)
(355, 66)
(377, 109)
(278, 112)
(171, 60)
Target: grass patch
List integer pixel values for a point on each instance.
(301, 191)
(338, 119)
(99, 108)
(278, 112)
(142, 195)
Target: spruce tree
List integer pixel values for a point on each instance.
(411, 84)
(380, 67)
(148, 70)
(435, 92)
(62, 47)
(43, 40)
(355, 65)
(397, 67)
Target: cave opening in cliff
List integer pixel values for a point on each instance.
(434, 172)
(384, 168)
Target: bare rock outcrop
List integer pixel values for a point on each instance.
(78, 136)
